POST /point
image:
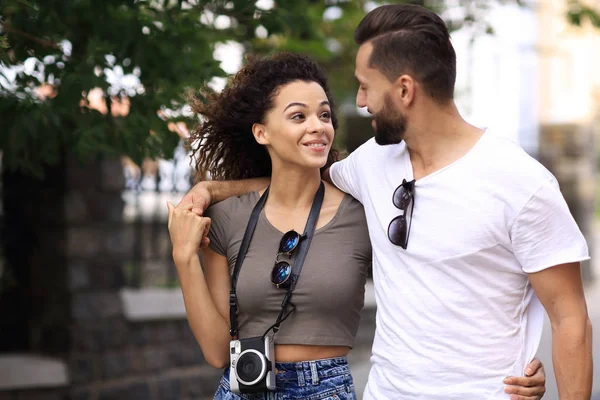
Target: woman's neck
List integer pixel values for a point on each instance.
(293, 189)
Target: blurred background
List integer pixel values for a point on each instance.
(92, 120)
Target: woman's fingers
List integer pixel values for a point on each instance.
(186, 227)
(534, 367)
(185, 206)
(518, 397)
(526, 381)
(526, 391)
(525, 388)
(206, 222)
(170, 207)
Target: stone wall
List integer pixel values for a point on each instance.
(33, 243)
(153, 360)
(77, 245)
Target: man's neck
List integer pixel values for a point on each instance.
(438, 137)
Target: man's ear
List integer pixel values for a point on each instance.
(404, 88)
(260, 133)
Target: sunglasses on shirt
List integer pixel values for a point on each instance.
(403, 199)
(282, 270)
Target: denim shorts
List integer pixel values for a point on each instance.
(326, 379)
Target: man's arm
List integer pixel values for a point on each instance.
(560, 290)
(205, 193)
(344, 175)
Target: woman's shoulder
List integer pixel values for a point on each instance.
(354, 211)
(333, 195)
(349, 210)
(350, 225)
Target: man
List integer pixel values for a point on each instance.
(466, 230)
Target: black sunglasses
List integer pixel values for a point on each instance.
(399, 227)
(282, 270)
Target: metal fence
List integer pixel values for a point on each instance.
(148, 188)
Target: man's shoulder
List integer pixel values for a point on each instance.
(370, 152)
(371, 146)
(507, 160)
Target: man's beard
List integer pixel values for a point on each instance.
(390, 124)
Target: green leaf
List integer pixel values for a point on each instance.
(172, 49)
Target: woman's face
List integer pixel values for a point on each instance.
(298, 130)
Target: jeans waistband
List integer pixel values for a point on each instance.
(307, 372)
(310, 372)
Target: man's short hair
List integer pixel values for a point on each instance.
(410, 39)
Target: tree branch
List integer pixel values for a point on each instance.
(43, 42)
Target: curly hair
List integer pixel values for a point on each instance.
(223, 144)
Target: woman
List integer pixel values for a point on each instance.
(274, 119)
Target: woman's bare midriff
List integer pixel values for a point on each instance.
(297, 352)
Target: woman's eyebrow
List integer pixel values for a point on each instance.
(324, 102)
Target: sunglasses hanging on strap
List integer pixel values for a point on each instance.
(283, 276)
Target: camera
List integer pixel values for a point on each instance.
(252, 367)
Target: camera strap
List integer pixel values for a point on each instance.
(302, 251)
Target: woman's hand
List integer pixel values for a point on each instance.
(529, 387)
(187, 229)
(200, 197)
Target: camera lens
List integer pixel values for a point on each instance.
(251, 367)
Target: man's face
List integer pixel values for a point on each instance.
(389, 123)
(374, 93)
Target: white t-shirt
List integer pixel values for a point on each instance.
(456, 313)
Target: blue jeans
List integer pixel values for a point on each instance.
(327, 379)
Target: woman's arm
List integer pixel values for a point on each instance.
(206, 297)
(205, 294)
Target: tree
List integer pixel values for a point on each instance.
(580, 10)
(69, 48)
(165, 48)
